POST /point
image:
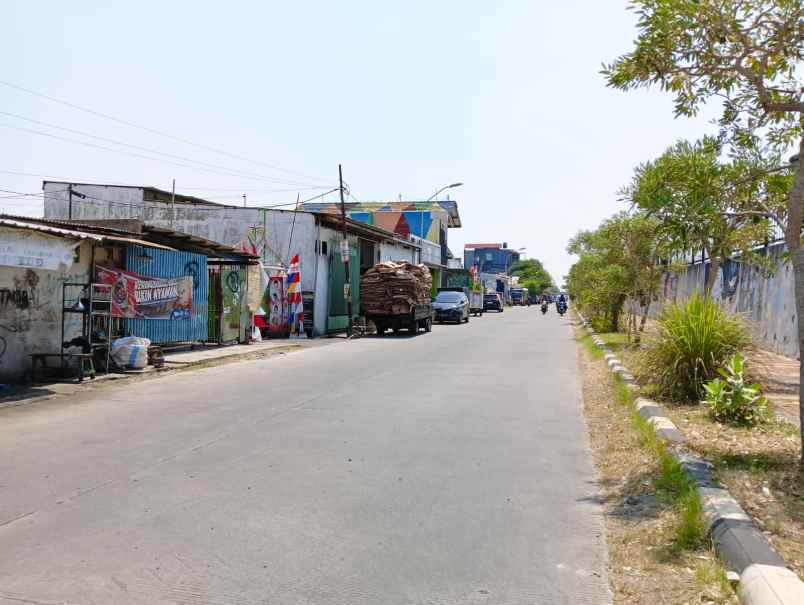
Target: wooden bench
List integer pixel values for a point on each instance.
(39, 364)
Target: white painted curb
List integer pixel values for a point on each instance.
(738, 542)
(770, 585)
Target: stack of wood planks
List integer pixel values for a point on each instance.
(392, 288)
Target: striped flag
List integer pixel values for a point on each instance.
(295, 305)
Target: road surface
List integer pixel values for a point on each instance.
(450, 468)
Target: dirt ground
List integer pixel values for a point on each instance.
(759, 466)
(645, 566)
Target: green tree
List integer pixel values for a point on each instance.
(617, 262)
(747, 55)
(703, 203)
(532, 275)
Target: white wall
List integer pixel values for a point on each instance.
(392, 251)
(431, 253)
(30, 309)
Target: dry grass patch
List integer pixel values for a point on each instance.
(646, 563)
(759, 466)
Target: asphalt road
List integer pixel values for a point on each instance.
(449, 468)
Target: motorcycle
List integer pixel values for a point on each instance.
(544, 308)
(562, 308)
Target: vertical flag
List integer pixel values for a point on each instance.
(295, 305)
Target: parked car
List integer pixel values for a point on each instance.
(493, 302)
(451, 306)
(475, 298)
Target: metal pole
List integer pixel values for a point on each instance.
(70, 206)
(347, 288)
(173, 205)
(244, 200)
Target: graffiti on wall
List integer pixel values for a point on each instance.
(20, 296)
(730, 272)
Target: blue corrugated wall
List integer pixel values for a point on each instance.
(154, 262)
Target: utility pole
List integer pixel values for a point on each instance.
(70, 194)
(244, 200)
(173, 205)
(347, 286)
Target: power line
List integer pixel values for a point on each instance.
(139, 155)
(234, 171)
(94, 199)
(157, 132)
(104, 181)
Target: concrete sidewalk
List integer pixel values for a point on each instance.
(174, 361)
(202, 353)
(779, 377)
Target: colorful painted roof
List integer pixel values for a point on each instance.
(449, 207)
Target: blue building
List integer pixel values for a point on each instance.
(489, 258)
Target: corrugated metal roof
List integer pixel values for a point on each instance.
(59, 231)
(16, 223)
(155, 237)
(359, 228)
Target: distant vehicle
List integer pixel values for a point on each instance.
(518, 296)
(492, 302)
(451, 306)
(476, 305)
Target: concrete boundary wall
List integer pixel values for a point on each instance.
(767, 301)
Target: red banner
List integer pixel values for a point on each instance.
(142, 297)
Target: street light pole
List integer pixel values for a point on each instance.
(443, 189)
(347, 286)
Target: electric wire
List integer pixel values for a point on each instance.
(157, 132)
(145, 157)
(233, 171)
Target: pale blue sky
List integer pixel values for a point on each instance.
(409, 96)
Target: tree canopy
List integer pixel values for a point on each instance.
(533, 276)
(617, 261)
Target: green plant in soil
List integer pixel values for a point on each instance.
(731, 400)
(695, 338)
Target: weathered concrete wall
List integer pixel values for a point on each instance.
(397, 253)
(274, 235)
(767, 301)
(30, 311)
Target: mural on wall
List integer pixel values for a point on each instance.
(766, 299)
(730, 272)
(422, 219)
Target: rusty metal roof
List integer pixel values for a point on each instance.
(33, 225)
(155, 237)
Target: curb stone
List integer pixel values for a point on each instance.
(738, 542)
(770, 585)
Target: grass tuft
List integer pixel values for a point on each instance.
(695, 338)
(590, 345)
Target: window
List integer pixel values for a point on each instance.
(489, 256)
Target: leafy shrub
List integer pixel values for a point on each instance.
(695, 338)
(732, 400)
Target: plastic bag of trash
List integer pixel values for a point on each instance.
(131, 352)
